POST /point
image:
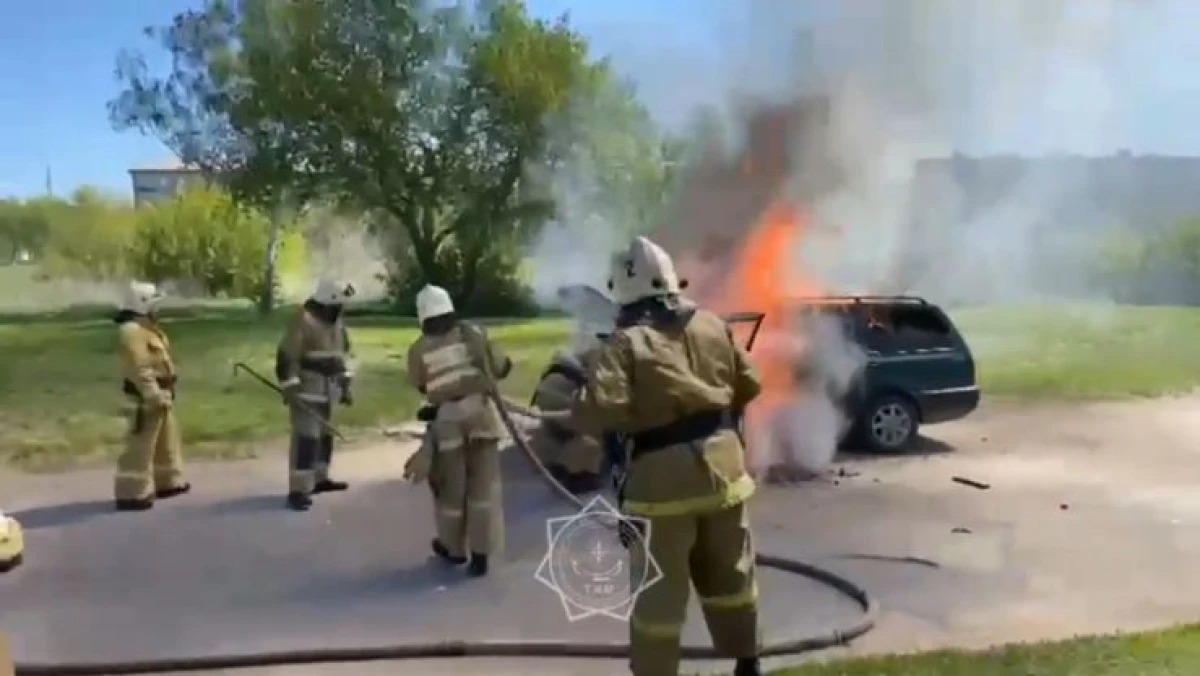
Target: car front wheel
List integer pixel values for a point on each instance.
(890, 424)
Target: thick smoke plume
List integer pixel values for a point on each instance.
(954, 163)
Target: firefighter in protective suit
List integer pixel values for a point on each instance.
(313, 367)
(151, 465)
(686, 473)
(12, 547)
(567, 443)
(455, 365)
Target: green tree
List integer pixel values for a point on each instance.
(23, 230)
(215, 109)
(205, 237)
(428, 115)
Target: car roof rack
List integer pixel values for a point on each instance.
(915, 300)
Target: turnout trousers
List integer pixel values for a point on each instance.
(714, 552)
(467, 491)
(311, 446)
(153, 456)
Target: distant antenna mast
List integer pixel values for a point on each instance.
(49, 183)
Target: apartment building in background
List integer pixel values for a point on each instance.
(158, 183)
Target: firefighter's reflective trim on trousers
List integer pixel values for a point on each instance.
(656, 630)
(312, 397)
(735, 493)
(747, 598)
(302, 480)
(448, 444)
(290, 382)
(450, 512)
(479, 504)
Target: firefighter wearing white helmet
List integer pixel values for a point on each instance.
(151, 465)
(312, 364)
(12, 550)
(455, 364)
(685, 464)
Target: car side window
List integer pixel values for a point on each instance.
(921, 328)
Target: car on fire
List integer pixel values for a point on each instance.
(918, 369)
(910, 366)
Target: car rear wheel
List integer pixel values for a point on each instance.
(890, 424)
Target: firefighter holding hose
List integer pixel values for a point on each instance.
(455, 365)
(312, 364)
(673, 381)
(151, 466)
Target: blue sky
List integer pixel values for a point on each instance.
(56, 62)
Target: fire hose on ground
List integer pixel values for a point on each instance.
(483, 648)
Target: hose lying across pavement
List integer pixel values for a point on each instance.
(524, 648)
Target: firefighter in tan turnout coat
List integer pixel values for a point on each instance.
(151, 465)
(455, 365)
(313, 368)
(686, 471)
(567, 442)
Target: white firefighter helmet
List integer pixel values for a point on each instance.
(140, 298)
(644, 270)
(332, 292)
(433, 301)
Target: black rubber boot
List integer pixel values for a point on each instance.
(172, 492)
(747, 666)
(444, 554)
(330, 486)
(298, 502)
(478, 566)
(135, 505)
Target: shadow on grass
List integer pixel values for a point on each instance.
(66, 514)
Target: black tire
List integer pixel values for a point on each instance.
(889, 424)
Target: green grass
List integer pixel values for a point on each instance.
(60, 392)
(59, 389)
(1174, 652)
(1084, 351)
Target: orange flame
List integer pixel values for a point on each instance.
(760, 277)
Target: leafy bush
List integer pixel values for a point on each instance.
(203, 237)
(1157, 266)
(88, 237)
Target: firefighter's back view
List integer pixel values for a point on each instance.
(673, 380)
(455, 365)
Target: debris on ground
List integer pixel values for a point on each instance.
(961, 531)
(971, 482)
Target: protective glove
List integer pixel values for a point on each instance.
(289, 394)
(160, 400)
(630, 533)
(416, 469)
(427, 413)
(347, 398)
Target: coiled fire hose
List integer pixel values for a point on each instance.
(484, 648)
